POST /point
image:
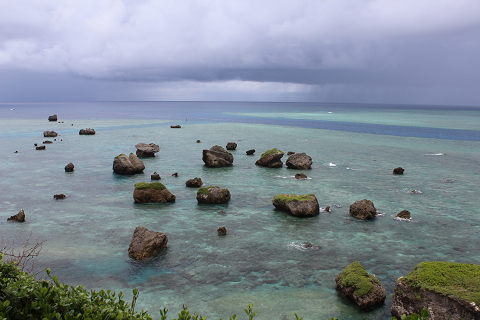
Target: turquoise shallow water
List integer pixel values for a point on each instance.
(260, 261)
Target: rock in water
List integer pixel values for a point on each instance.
(250, 152)
(155, 176)
(198, 141)
(52, 118)
(404, 214)
(177, 126)
(69, 167)
(87, 131)
(40, 148)
(146, 243)
(363, 209)
(289, 153)
(305, 205)
(194, 183)
(49, 134)
(152, 193)
(47, 142)
(449, 290)
(19, 217)
(222, 231)
(213, 195)
(59, 196)
(147, 150)
(271, 159)
(301, 176)
(364, 289)
(231, 146)
(299, 161)
(398, 170)
(127, 165)
(217, 157)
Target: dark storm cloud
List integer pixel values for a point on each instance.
(326, 49)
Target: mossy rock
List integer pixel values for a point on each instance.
(299, 205)
(151, 185)
(294, 197)
(213, 195)
(458, 280)
(271, 151)
(205, 190)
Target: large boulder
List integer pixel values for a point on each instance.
(217, 157)
(194, 183)
(363, 209)
(213, 195)
(152, 192)
(449, 290)
(127, 165)
(398, 171)
(19, 217)
(50, 134)
(305, 205)
(364, 289)
(299, 161)
(146, 150)
(146, 243)
(87, 132)
(271, 159)
(231, 146)
(52, 118)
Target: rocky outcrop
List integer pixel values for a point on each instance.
(50, 134)
(155, 176)
(69, 167)
(364, 289)
(250, 152)
(305, 205)
(59, 196)
(154, 192)
(194, 183)
(177, 126)
(231, 146)
(217, 157)
(222, 231)
(398, 170)
(449, 290)
(301, 176)
(271, 159)
(146, 150)
(19, 217)
(146, 243)
(404, 214)
(40, 148)
(47, 142)
(299, 161)
(52, 118)
(86, 132)
(213, 195)
(127, 165)
(363, 209)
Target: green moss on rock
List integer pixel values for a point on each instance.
(152, 185)
(271, 151)
(294, 197)
(354, 275)
(460, 280)
(205, 190)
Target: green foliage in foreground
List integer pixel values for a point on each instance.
(294, 197)
(271, 151)
(355, 275)
(151, 185)
(461, 280)
(424, 315)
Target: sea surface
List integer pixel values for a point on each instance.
(354, 148)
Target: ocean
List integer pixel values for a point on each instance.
(354, 148)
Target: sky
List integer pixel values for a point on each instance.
(378, 51)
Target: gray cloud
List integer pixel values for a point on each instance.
(365, 50)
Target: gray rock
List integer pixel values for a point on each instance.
(213, 195)
(52, 118)
(297, 205)
(127, 165)
(194, 183)
(50, 134)
(271, 159)
(19, 217)
(87, 132)
(146, 150)
(146, 243)
(217, 157)
(299, 161)
(363, 209)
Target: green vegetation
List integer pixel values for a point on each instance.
(294, 197)
(271, 151)
(424, 315)
(151, 185)
(461, 280)
(354, 275)
(205, 190)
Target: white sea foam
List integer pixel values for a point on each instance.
(331, 164)
(435, 154)
(329, 112)
(402, 219)
(298, 246)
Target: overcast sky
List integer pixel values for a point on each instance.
(408, 51)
